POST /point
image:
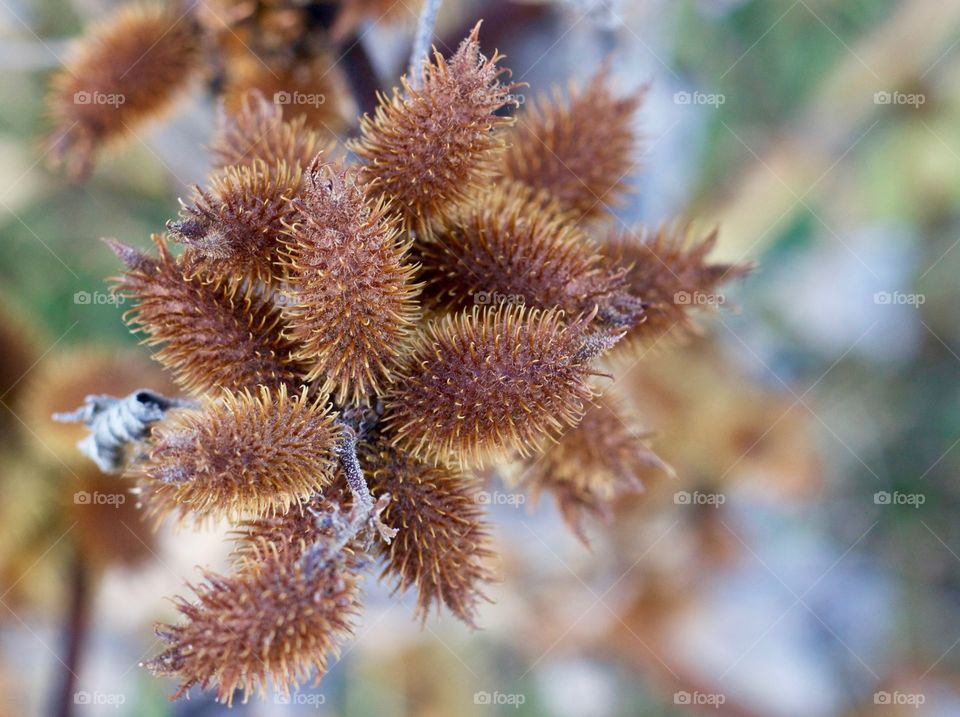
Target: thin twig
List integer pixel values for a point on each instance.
(75, 633)
(360, 74)
(423, 39)
(363, 520)
(351, 467)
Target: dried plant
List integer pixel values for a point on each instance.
(257, 130)
(239, 219)
(428, 147)
(279, 619)
(483, 384)
(135, 63)
(241, 454)
(510, 241)
(214, 332)
(341, 418)
(289, 78)
(353, 294)
(128, 70)
(580, 151)
(443, 544)
(603, 456)
(671, 271)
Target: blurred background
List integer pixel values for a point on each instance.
(806, 559)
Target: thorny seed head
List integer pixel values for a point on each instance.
(429, 148)
(241, 454)
(234, 227)
(354, 294)
(127, 70)
(212, 332)
(580, 151)
(483, 384)
(670, 270)
(443, 543)
(278, 620)
(511, 244)
(257, 130)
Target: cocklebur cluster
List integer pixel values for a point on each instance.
(344, 332)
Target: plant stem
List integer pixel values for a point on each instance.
(362, 499)
(422, 40)
(360, 74)
(75, 633)
(364, 516)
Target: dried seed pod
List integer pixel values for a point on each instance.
(243, 454)
(580, 150)
(233, 229)
(124, 72)
(213, 334)
(443, 543)
(603, 456)
(258, 130)
(278, 620)
(427, 148)
(353, 304)
(510, 245)
(669, 270)
(483, 384)
(306, 87)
